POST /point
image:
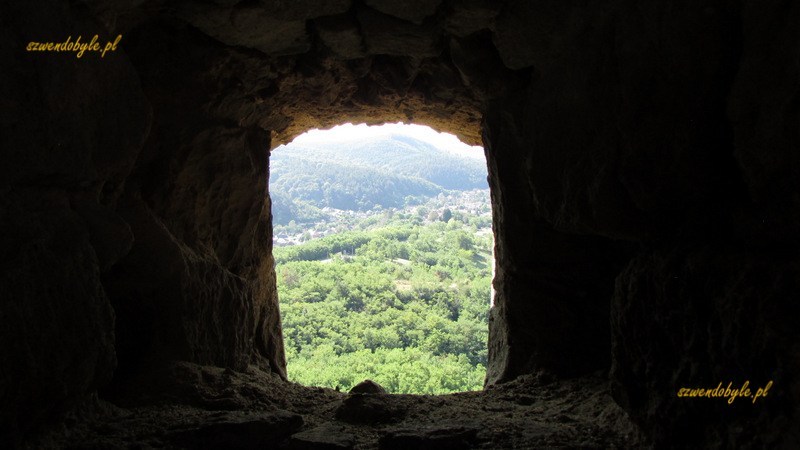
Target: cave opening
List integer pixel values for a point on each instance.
(383, 243)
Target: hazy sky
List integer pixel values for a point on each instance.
(350, 132)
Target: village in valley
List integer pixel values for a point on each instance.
(469, 207)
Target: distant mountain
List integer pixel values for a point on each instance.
(360, 175)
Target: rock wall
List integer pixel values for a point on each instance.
(65, 143)
(69, 136)
(198, 284)
(643, 166)
(653, 142)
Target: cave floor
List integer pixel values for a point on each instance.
(190, 406)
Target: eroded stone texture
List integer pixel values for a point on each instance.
(54, 351)
(329, 436)
(368, 387)
(273, 27)
(70, 131)
(198, 284)
(715, 314)
(341, 35)
(413, 11)
(387, 35)
(184, 405)
(466, 17)
(645, 126)
(370, 409)
(243, 431)
(764, 109)
(430, 438)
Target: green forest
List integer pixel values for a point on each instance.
(403, 304)
(384, 172)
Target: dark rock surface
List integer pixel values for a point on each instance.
(241, 431)
(414, 11)
(578, 413)
(730, 308)
(329, 436)
(367, 387)
(449, 438)
(370, 409)
(643, 162)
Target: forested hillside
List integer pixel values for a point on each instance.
(360, 175)
(404, 305)
(383, 257)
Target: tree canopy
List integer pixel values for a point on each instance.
(404, 305)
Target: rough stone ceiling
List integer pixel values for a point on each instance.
(296, 65)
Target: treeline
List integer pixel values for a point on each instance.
(343, 186)
(399, 370)
(404, 305)
(346, 243)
